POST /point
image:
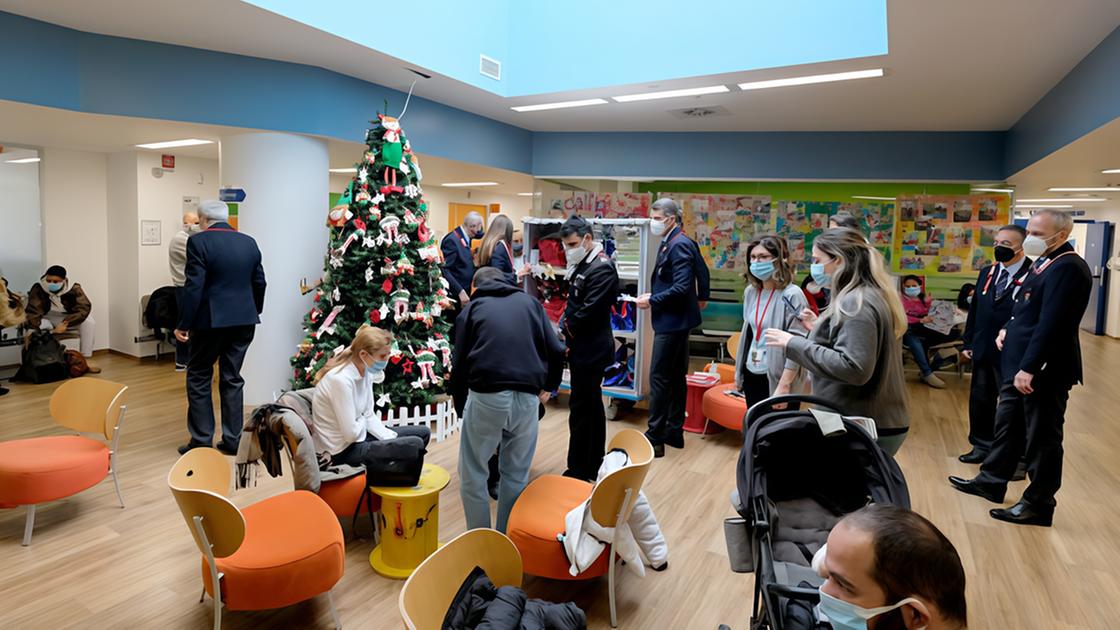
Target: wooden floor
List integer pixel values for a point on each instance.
(93, 565)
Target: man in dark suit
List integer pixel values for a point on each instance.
(458, 263)
(996, 288)
(1041, 362)
(222, 300)
(586, 325)
(680, 284)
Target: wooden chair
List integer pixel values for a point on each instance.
(428, 593)
(540, 510)
(274, 553)
(41, 469)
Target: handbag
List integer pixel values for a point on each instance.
(76, 364)
(43, 360)
(394, 463)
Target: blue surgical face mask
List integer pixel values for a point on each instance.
(53, 287)
(847, 616)
(819, 275)
(912, 291)
(762, 269)
(378, 366)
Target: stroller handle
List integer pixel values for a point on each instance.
(766, 405)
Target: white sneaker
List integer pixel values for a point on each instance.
(934, 381)
(179, 367)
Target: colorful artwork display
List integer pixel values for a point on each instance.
(800, 222)
(947, 234)
(623, 205)
(723, 224)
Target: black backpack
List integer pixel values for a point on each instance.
(44, 360)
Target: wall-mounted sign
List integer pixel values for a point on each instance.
(232, 195)
(150, 232)
(167, 161)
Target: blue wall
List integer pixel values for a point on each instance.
(1088, 97)
(959, 156)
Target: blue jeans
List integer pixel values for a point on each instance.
(507, 419)
(914, 343)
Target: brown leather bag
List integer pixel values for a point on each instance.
(76, 363)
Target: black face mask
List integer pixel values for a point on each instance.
(1004, 254)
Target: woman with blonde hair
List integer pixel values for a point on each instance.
(771, 300)
(854, 349)
(496, 249)
(345, 421)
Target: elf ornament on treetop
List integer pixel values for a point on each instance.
(380, 270)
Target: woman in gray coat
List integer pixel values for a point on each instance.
(854, 350)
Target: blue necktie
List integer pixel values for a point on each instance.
(1002, 281)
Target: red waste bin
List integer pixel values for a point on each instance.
(694, 420)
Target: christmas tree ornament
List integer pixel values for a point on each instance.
(426, 361)
(369, 274)
(404, 265)
(359, 227)
(387, 286)
(399, 299)
(369, 242)
(444, 348)
(383, 310)
(363, 175)
(327, 328)
(423, 234)
(412, 191)
(406, 366)
(410, 220)
(390, 268)
(384, 401)
(336, 295)
(339, 215)
(429, 253)
(389, 226)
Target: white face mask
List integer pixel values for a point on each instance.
(659, 228)
(844, 615)
(1034, 246)
(192, 228)
(574, 255)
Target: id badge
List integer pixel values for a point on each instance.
(756, 357)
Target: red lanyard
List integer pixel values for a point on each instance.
(509, 251)
(462, 239)
(757, 319)
(1038, 271)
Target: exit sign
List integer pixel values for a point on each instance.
(167, 161)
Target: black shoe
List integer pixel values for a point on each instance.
(190, 446)
(659, 450)
(492, 490)
(676, 442)
(227, 449)
(989, 491)
(975, 456)
(1023, 514)
(1020, 472)
(3, 390)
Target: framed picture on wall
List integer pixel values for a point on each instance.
(150, 232)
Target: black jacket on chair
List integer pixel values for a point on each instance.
(1042, 335)
(225, 280)
(587, 317)
(988, 315)
(480, 604)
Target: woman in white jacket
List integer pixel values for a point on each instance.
(345, 422)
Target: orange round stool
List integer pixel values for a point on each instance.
(726, 411)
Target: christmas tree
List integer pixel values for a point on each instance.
(382, 268)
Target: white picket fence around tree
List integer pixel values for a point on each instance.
(439, 417)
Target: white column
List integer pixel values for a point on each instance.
(286, 187)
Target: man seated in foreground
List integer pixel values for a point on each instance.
(888, 568)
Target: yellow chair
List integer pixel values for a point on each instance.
(427, 594)
(274, 553)
(539, 513)
(41, 469)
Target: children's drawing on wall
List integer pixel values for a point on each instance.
(962, 211)
(940, 234)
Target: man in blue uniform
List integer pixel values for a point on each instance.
(458, 263)
(680, 284)
(1041, 362)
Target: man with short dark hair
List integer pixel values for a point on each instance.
(222, 300)
(680, 284)
(888, 567)
(996, 287)
(586, 325)
(1040, 364)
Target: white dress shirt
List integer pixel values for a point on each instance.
(343, 410)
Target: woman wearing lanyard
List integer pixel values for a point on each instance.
(771, 300)
(496, 249)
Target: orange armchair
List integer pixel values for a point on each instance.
(41, 469)
(274, 553)
(538, 515)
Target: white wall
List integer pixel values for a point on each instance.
(21, 241)
(1112, 321)
(123, 239)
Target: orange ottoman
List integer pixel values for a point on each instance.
(342, 496)
(38, 470)
(536, 519)
(293, 550)
(726, 411)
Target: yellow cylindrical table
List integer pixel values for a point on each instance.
(409, 524)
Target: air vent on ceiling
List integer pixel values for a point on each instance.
(490, 67)
(700, 112)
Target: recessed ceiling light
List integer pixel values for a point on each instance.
(561, 105)
(468, 184)
(1110, 171)
(24, 161)
(170, 144)
(1004, 191)
(1061, 200)
(350, 170)
(1086, 189)
(875, 198)
(649, 96)
(1041, 205)
(526, 194)
(814, 78)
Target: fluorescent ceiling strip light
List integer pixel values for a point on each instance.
(1087, 189)
(875, 198)
(649, 96)
(526, 194)
(1110, 171)
(171, 144)
(561, 105)
(1005, 191)
(814, 78)
(468, 184)
(350, 170)
(24, 161)
(1061, 200)
(1040, 205)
